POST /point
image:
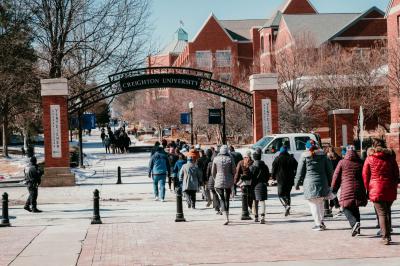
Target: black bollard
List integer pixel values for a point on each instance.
(179, 207)
(96, 208)
(245, 209)
(5, 219)
(119, 175)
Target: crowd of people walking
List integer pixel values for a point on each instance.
(115, 142)
(328, 180)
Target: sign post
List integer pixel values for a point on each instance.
(214, 116)
(361, 124)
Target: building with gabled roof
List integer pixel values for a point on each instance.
(351, 30)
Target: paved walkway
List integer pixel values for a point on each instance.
(136, 230)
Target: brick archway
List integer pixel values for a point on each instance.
(262, 100)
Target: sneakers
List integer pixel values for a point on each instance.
(256, 220)
(226, 222)
(163, 200)
(28, 208)
(323, 226)
(386, 241)
(262, 219)
(318, 228)
(287, 211)
(209, 204)
(36, 210)
(355, 230)
(156, 199)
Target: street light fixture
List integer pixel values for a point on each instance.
(191, 106)
(79, 105)
(223, 101)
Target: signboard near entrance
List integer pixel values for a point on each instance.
(55, 124)
(214, 116)
(185, 118)
(160, 81)
(266, 116)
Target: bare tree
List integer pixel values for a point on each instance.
(347, 79)
(293, 64)
(18, 76)
(89, 38)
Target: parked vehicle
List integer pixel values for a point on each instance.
(295, 142)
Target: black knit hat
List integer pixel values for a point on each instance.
(33, 160)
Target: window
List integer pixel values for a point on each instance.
(262, 44)
(204, 59)
(276, 145)
(398, 26)
(223, 58)
(301, 143)
(225, 77)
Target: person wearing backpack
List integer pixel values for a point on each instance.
(33, 179)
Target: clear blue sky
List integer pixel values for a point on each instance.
(166, 14)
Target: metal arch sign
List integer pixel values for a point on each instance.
(160, 81)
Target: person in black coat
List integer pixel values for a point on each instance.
(284, 172)
(260, 174)
(33, 179)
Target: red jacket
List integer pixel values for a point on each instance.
(348, 177)
(381, 175)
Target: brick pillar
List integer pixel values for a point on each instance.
(264, 88)
(55, 126)
(341, 127)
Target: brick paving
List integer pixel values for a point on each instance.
(204, 240)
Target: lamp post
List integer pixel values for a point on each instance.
(191, 106)
(223, 101)
(79, 104)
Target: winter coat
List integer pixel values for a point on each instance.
(159, 164)
(243, 171)
(316, 171)
(173, 158)
(381, 175)
(202, 163)
(33, 176)
(284, 169)
(210, 178)
(348, 177)
(178, 166)
(223, 171)
(190, 176)
(260, 175)
(237, 157)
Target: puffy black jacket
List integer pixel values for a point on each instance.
(284, 169)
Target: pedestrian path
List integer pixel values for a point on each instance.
(137, 230)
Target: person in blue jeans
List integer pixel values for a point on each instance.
(159, 168)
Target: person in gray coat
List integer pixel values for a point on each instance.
(191, 178)
(223, 171)
(315, 169)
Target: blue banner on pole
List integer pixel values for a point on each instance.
(89, 121)
(185, 118)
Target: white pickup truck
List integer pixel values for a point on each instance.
(270, 145)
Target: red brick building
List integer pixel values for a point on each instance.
(351, 30)
(225, 47)
(235, 49)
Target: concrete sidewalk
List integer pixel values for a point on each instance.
(137, 230)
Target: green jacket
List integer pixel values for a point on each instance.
(316, 171)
